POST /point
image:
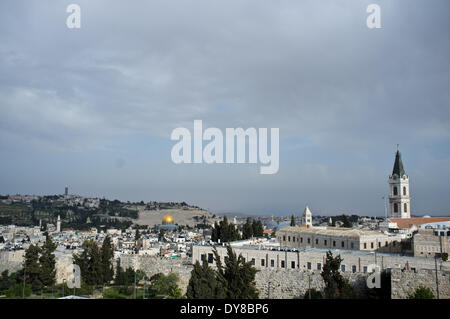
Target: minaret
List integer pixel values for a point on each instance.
(399, 200)
(307, 217)
(58, 224)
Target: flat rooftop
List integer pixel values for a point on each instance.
(334, 231)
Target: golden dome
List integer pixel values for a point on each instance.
(167, 219)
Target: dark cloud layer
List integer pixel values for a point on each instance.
(342, 95)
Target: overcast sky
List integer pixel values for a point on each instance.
(93, 108)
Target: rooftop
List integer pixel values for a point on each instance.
(416, 221)
(334, 231)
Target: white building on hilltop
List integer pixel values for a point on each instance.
(399, 199)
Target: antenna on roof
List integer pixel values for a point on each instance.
(398, 146)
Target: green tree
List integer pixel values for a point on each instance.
(165, 285)
(237, 277)
(224, 231)
(6, 281)
(17, 290)
(47, 263)
(336, 286)
(107, 257)
(120, 278)
(258, 228)
(346, 222)
(137, 236)
(313, 293)
(203, 283)
(422, 293)
(90, 263)
(32, 268)
(384, 292)
(247, 229)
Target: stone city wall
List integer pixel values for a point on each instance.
(405, 283)
(11, 260)
(153, 265)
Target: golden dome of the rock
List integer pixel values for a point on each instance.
(167, 219)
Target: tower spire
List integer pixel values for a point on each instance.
(398, 165)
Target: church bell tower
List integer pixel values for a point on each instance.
(399, 200)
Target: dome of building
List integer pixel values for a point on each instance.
(167, 219)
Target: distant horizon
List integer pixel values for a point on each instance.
(237, 214)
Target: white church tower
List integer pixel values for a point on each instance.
(307, 217)
(399, 200)
(58, 224)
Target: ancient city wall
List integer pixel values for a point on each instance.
(153, 265)
(405, 283)
(11, 260)
(293, 283)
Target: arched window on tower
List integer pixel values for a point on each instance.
(395, 208)
(405, 208)
(404, 190)
(395, 191)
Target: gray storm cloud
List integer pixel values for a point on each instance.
(311, 68)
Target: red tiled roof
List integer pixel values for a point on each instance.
(409, 222)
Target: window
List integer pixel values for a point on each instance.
(395, 191)
(325, 242)
(292, 264)
(365, 269)
(354, 268)
(210, 258)
(282, 264)
(253, 261)
(342, 244)
(317, 242)
(365, 245)
(289, 238)
(203, 257)
(342, 268)
(334, 243)
(301, 239)
(395, 208)
(272, 263)
(386, 244)
(393, 243)
(308, 265)
(379, 244)
(405, 208)
(309, 240)
(371, 245)
(404, 190)
(284, 238)
(319, 266)
(263, 262)
(351, 245)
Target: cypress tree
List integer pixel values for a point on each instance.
(203, 283)
(32, 268)
(247, 229)
(336, 286)
(107, 255)
(47, 263)
(237, 276)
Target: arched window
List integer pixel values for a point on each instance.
(405, 208)
(395, 208)
(404, 190)
(395, 191)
